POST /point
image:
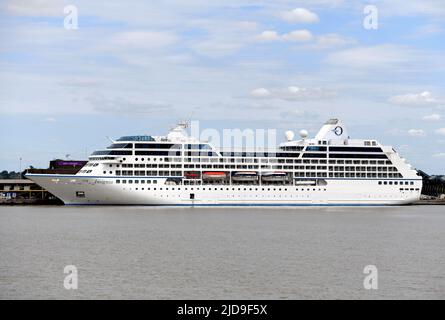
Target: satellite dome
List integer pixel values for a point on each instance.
(289, 135)
(303, 134)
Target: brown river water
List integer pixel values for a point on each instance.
(222, 253)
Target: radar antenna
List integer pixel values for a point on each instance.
(184, 124)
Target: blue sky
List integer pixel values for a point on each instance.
(136, 67)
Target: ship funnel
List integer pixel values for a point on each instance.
(333, 129)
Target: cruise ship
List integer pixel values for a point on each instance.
(179, 170)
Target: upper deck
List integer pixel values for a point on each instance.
(331, 154)
(332, 139)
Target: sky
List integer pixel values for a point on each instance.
(138, 67)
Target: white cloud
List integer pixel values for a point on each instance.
(300, 93)
(414, 99)
(396, 132)
(332, 40)
(268, 35)
(50, 119)
(260, 93)
(416, 132)
(300, 15)
(296, 35)
(292, 93)
(440, 131)
(36, 8)
(432, 117)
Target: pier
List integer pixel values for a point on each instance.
(24, 191)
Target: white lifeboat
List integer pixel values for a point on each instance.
(245, 176)
(274, 176)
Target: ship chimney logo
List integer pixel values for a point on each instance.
(338, 131)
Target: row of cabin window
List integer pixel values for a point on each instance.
(334, 149)
(355, 149)
(155, 165)
(396, 183)
(231, 160)
(192, 166)
(260, 154)
(138, 181)
(305, 155)
(287, 167)
(159, 146)
(369, 168)
(148, 173)
(209, 154)
(349, 156)
(153, 159)
(102, 158)
(309, 148)
(216, 189)
(173, 152)
(207, 147)
(308, 174)
(143, 153)
(149, 165)
(91, 164)
(279, 189)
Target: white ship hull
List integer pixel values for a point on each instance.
(340, 192)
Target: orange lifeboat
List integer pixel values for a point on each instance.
(213, 175)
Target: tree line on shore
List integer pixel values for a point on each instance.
(10, 175)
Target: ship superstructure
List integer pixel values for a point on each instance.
(179, 170)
